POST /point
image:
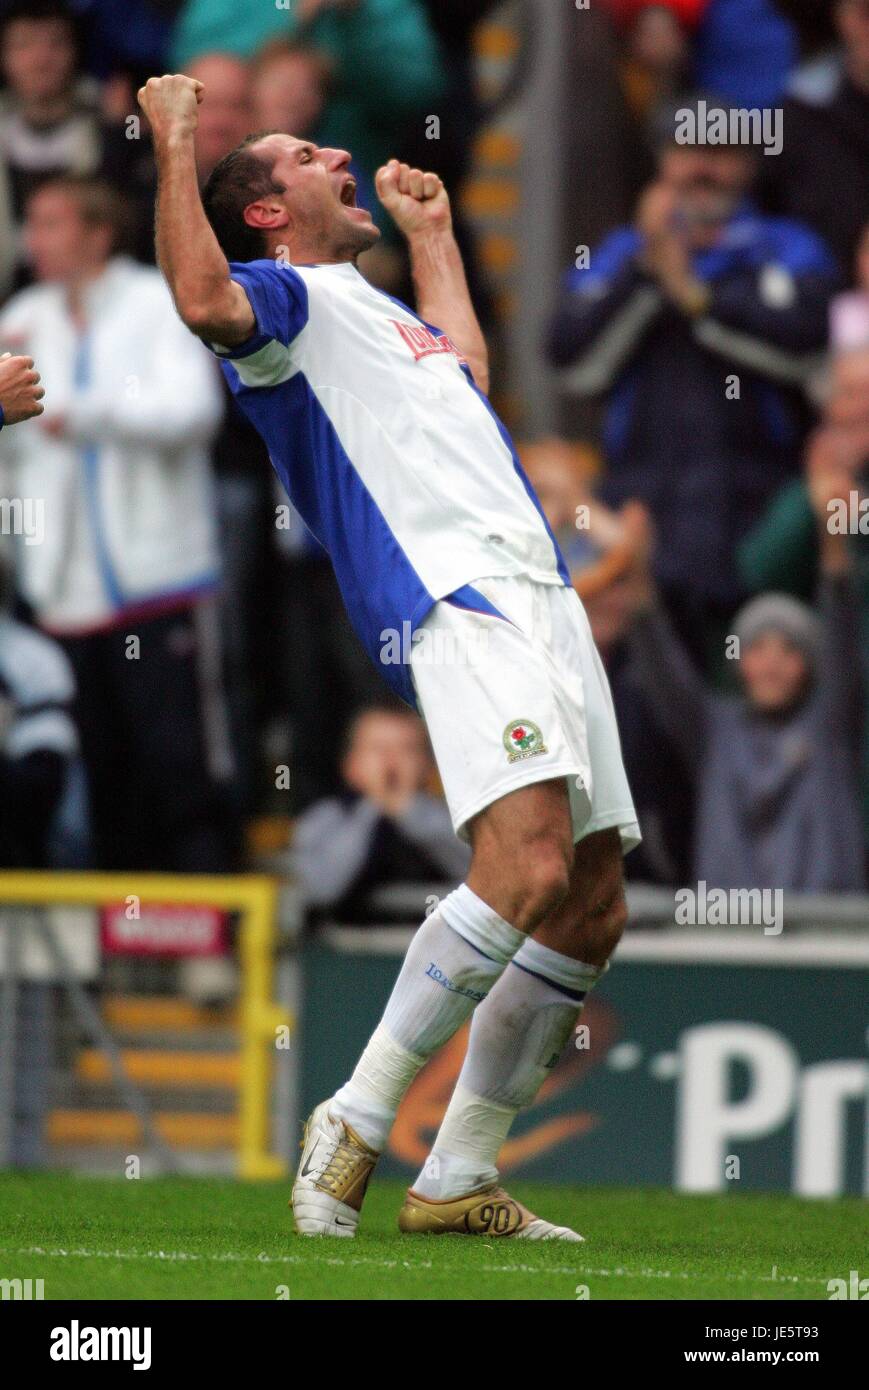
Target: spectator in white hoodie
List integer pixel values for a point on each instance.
(121, 559)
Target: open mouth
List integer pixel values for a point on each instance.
(348, 193)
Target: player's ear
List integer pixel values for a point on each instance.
(266, 215)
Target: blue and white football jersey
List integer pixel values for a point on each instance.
(394, 459)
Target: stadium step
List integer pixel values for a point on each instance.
(183, 1055)
(130, 1013)
(174, 1070)
(180, 1129)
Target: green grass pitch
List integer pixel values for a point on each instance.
(197, 1238)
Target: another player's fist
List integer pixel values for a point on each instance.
(20, 391)
(170, 104)
(417, 201)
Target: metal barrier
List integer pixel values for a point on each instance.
(397, 911)
(253, 897)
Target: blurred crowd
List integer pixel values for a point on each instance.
(175, 663)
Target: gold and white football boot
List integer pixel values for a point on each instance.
(491, 1212)
(332, 1176)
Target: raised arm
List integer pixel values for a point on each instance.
(20, 391)
(211, 304)
(676, 692)
(420, 207)
(832, 474)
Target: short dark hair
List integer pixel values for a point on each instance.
(236, 181)
(99, 203)
(40, 12)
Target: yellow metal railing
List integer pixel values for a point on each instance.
(254, 897)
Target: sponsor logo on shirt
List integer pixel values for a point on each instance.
(423, 343)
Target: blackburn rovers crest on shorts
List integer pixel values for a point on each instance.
(522, 739)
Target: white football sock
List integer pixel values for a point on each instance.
(451, 964)
(517, 1036)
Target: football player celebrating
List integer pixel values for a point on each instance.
(378, 426)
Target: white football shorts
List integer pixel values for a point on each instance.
(521, 698)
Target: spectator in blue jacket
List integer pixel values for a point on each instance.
(699, 326)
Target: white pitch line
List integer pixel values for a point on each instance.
(186, 1257)
(618, 1272)
(741, 1277)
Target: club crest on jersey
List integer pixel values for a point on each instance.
(423, 343)
(522, 739)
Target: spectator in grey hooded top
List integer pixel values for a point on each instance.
(776, 766)
(386, 828)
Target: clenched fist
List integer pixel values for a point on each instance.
(20, 391)
(170, 104)
(417, 202)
